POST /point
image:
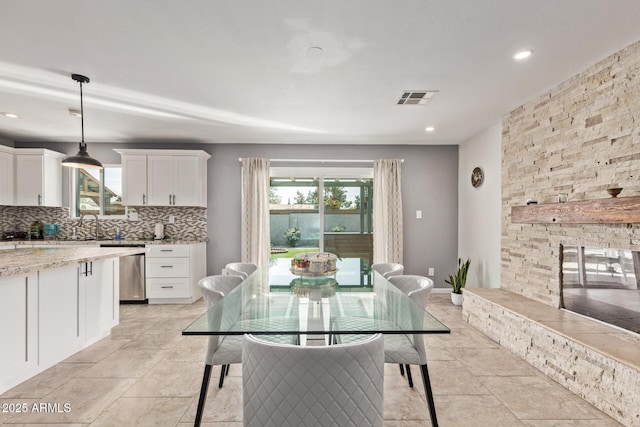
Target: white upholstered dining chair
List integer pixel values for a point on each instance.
(403, 349)
(409, 349)
(388, 269)
(243, 269)
(339, 385)
(226, 350)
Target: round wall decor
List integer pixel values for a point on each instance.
(477, 177)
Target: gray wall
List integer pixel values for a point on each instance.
(429, 181)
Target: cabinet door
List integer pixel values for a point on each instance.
(52, 182)
(99, 287)
(61, 304)
(185, 181)
(29, 177)
(6, 178)
(134, 180)
(160, 180)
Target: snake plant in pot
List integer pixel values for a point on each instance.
(458, 281)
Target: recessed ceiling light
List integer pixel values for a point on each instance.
(10, 115)
(522, 54)
(429, 128)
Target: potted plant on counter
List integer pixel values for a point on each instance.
(458, 281)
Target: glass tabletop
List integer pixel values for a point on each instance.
(276, 302)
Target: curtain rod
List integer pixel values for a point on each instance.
(323, 161)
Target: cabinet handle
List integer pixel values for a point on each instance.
(144, 199)
(90, 271)
(39, 199)
(166, 266)
(174, 199)
(166, 287)
(169, 198)
(166, 250)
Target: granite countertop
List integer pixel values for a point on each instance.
(26, 260)
(99, 242)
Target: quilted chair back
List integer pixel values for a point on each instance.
(337, 385)
(388, 269)
(214, 289)
(243, 269)
(220, 284)
(417, 288)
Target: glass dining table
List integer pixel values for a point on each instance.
(319, 309)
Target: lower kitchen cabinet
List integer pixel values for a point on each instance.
(102, 305)
(173, 273)
(60, 315)
(18, 329)
(48, 315)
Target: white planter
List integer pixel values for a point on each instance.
(456, 299)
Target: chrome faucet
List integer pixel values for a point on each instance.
(97, 224)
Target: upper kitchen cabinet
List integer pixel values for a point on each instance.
(164, 177)
(134, 179)
(6, 176)
(38, 177)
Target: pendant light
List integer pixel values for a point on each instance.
(81, 159)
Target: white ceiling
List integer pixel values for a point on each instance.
(239, 71)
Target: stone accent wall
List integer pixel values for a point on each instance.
(580, 138)
(190, 222)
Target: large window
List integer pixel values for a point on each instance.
(325, 209)
(98, 192)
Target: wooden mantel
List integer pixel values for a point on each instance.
(614, 210)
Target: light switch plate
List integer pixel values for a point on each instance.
(432, 271)
(418, 214)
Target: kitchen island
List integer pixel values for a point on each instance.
(53, 303)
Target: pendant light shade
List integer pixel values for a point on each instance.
(81, 159)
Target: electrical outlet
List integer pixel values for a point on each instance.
(432, 271)
(172, 219)
(418, 214)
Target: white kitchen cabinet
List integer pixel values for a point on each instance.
(173, 273)
(164, 177)
(7, 160)
(60, 315)
(98, 278)
(48, 315)
(38, 177)
(18, 329)
(134, 180)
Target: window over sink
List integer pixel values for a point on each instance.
(98, 191)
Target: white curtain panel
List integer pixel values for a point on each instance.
(387, 211)
(255, 234)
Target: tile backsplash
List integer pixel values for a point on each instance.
(190, 222)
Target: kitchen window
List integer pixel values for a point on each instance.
(98, 192)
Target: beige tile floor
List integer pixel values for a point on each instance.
(147, 373)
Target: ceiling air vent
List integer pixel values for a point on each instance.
(416, 97)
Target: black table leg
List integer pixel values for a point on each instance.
(203, 394)
(429, 393)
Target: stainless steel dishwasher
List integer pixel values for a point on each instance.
(132, 276)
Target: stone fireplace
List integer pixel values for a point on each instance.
(578, 140)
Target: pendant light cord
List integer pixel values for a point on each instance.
(82, 115)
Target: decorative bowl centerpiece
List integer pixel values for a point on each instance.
(314, 264)
(613, 192)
